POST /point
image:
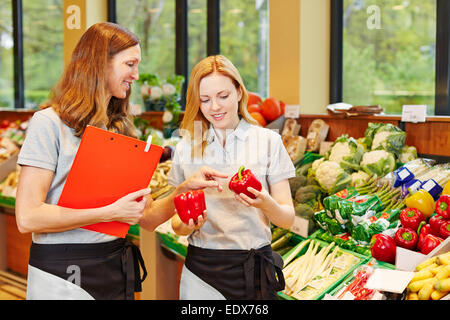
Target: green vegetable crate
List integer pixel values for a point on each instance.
(349, 279)
(7, 202)
(358, 260)
(170, 242)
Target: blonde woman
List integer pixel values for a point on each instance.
(66, 261)
(229, 255)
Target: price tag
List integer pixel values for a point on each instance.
(402, 174)
(300, 226)
(414, 113)
(292, 111)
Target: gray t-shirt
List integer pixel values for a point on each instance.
(230, 224)
(52, 145)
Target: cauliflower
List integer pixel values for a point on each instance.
(379, 138)
(379, 162)
(359, 178)
(317, 163)
(407, 154)
(346, 152)
(387, 137)
(339, 151)
(331, 177)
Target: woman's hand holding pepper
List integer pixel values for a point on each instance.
(183, 229)
(263, 200)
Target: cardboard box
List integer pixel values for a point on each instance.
(407, 260)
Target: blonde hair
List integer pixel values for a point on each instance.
(212, 64)
(79, 98)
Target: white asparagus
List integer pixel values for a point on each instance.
(295, 272)
(303, 275)
(294, 253)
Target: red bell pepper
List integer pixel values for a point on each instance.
(411, 218)
(445, 230)
(443, 206)
(383, 248)
(190, 205)
(436, 222)
(423, 230)
(429, 243)
(242, 180)
(406, 238)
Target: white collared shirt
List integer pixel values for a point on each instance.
(231, 225)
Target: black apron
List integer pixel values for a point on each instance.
(254, 274)
(107, 270)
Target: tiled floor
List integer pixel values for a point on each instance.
(12, 287)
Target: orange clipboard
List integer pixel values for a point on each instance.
(108, 166)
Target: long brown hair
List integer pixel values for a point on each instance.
(79, 97)
(212, 64)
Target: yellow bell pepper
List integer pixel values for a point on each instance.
(423, 201)
(446, 188)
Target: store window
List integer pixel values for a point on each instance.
(197, 34)
(43, 48)
(244, 39)
(153, 21)
(389, 53)
(6, 55)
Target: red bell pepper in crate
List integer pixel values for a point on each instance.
(443, 206)
(429, 243)
(406, 238)
(436, 222)
(242, 180)
(411, 218)
(445, 230)
(190, 205)
(423, 230)
(383, 248)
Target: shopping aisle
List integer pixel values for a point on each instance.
(12, 287)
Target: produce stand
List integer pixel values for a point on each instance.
(170, 243)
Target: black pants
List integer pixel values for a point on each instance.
(239, 274)
(108, 271)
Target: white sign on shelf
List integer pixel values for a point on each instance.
(414, 113)
(292, 111)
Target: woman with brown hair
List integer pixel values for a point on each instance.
(66, 261)
(229, 255)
